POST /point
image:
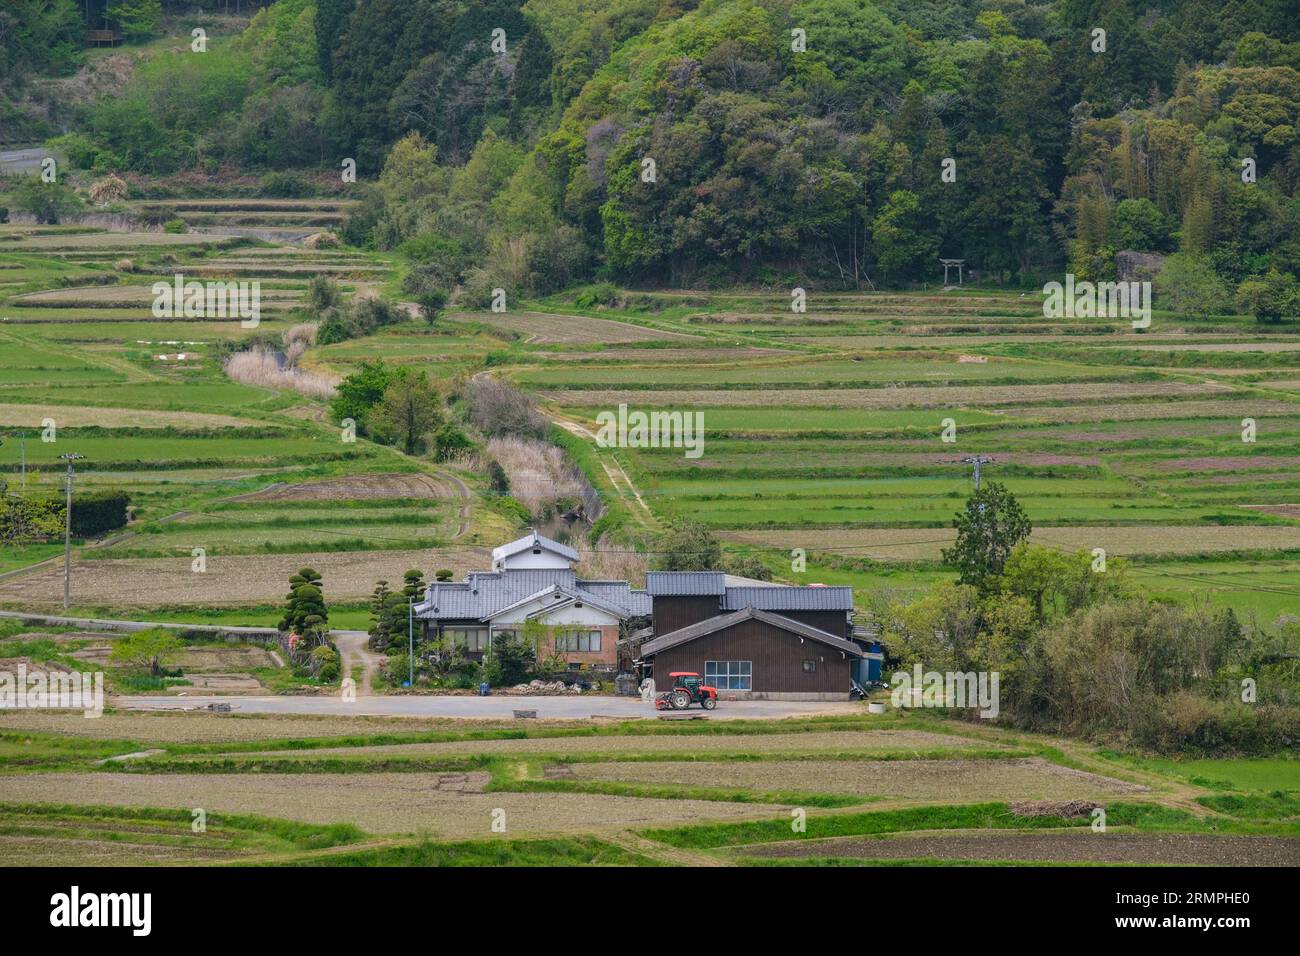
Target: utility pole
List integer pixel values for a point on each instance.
(70, 457)
(410, 636)
(976, 461)
(22, 455)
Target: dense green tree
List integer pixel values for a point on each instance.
(988, 529)
(137, 19)
(305, 612)
(147, 650)
(901, 238)
(408, 413)
(361, 391)
(331, 15)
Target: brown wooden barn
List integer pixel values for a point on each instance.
(752, 640)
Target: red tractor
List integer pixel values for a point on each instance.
(688, 688)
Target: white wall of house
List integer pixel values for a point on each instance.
(527, 560)
(566, 616)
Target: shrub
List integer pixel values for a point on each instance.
(511, 509)
(1271, 297)
(326, 662)
(323, 293)
(280, 185)
(1190, 285)
(94, 512)
(358, 319)
(176, 226)
(498, 480)
(510, 661)
(600, 294)
(450, 442)
(480, 288)
(48, 202)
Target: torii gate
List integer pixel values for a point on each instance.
(948, 264)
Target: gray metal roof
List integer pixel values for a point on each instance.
(762, 595)
(484, 594)
(713, 624)
(534, 540)
(685, 583)
(788, 599)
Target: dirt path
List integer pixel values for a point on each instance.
(660, 852)
(622, 482)
(356, 653)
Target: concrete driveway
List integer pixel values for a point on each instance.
(554, 708)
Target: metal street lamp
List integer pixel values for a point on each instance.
(70, 457)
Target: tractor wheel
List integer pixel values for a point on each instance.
(681, 700)
(708, 703)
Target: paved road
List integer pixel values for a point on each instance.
(563, 708)
(26, 160)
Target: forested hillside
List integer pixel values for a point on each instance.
(790, 139)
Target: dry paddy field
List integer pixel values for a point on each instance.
(178, 727)
(130, 296)
(230, 580)
(1170, 849)
(900, 544)
(542, 328)
(1249, 406)
(847, 741)
(972, 781)
(914, 397)
(376, 802)
(81, 416)
(358, 488)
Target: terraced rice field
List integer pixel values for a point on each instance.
(870, 788)
(538, 328)
(850, 445)
(976, 780)
(86, 367)
(377, 802)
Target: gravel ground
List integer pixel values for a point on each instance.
(1030, 778)
(1133, 848)
(834, 742)
(377, 802)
